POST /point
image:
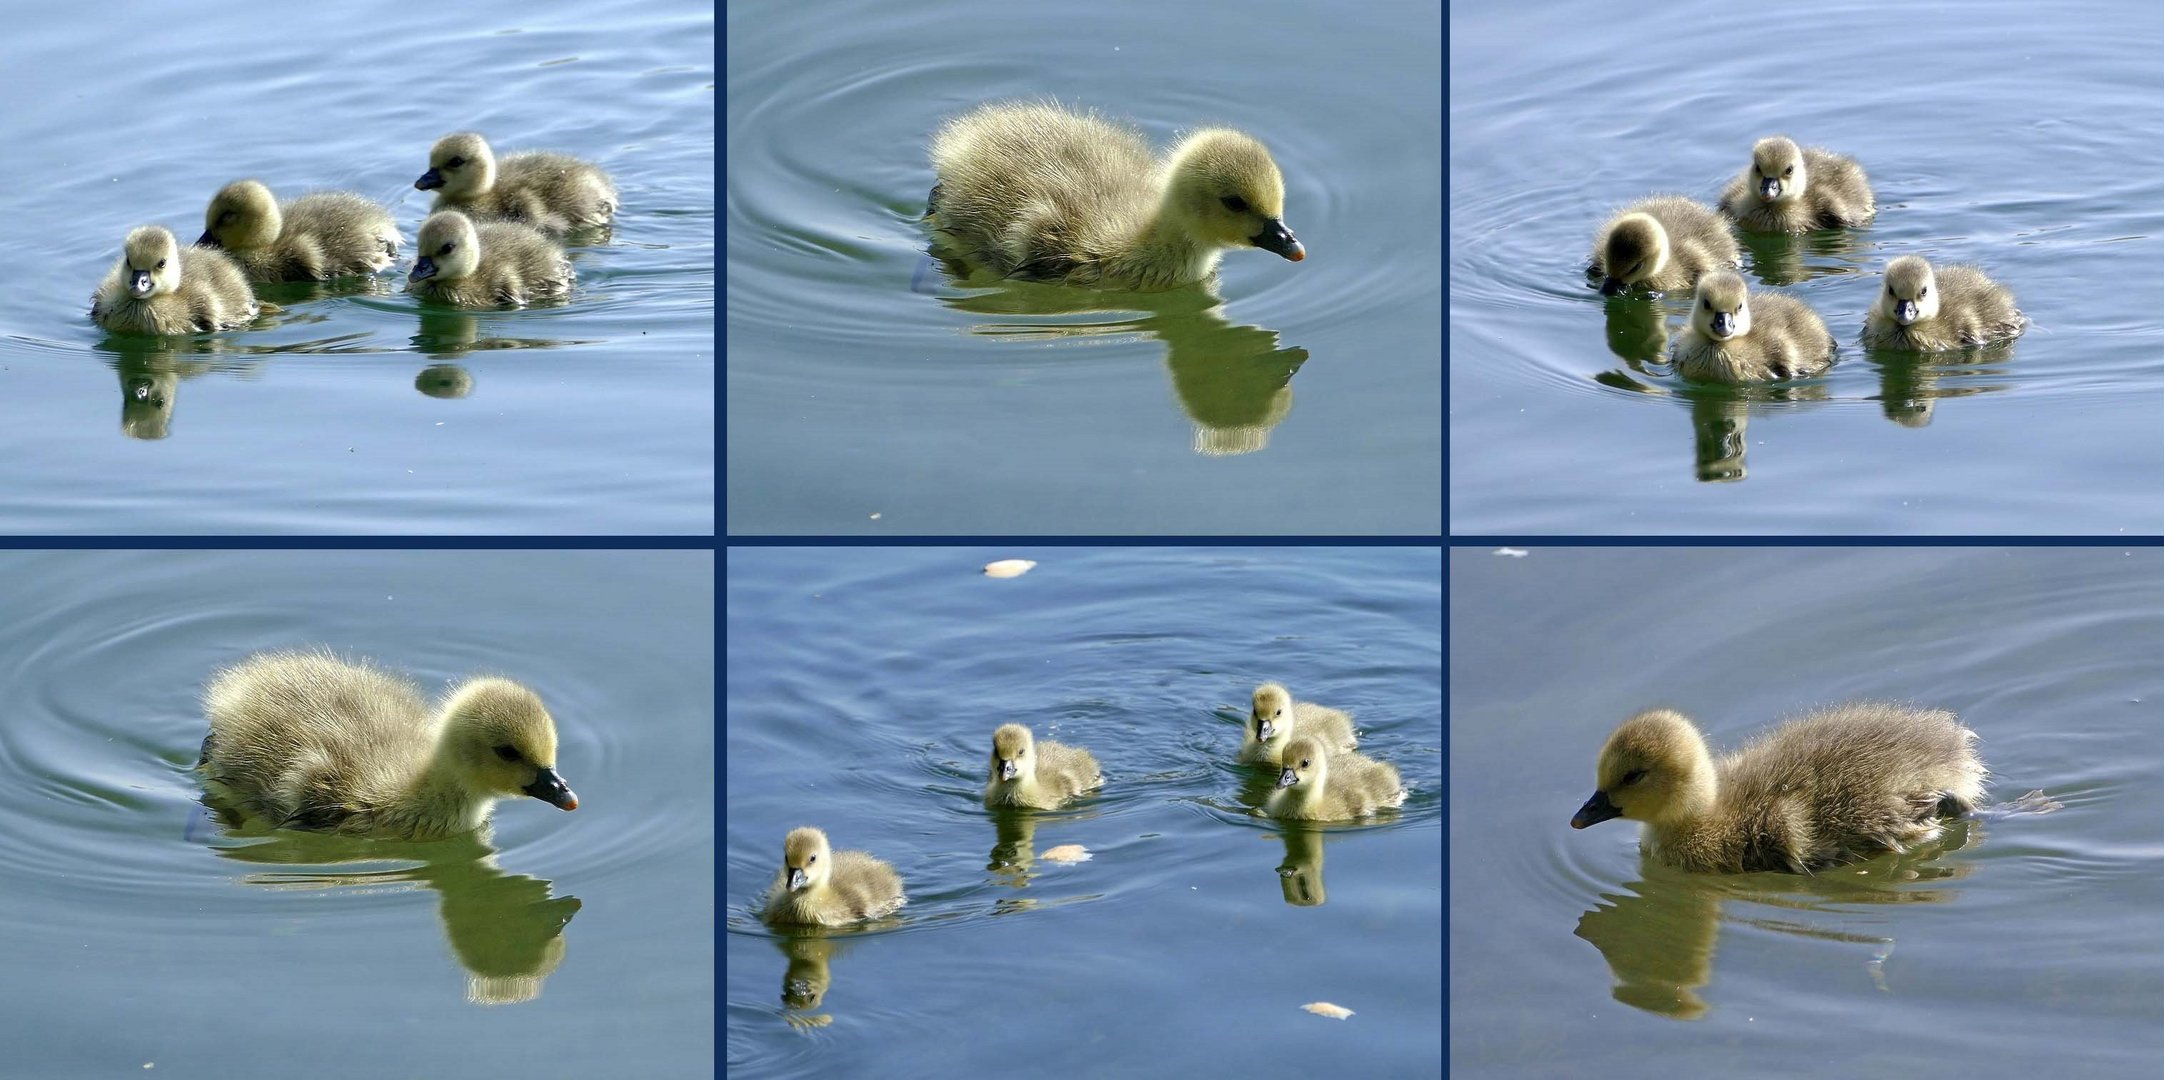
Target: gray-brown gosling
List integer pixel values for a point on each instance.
(489, 264)
(1038, 775)
(1934, 309)
(1737, 336)
(315, 237)
(549, 191)
(1664, 243)
(1831, 786)
(1276, 718)
(1033, 190)
(818, 886)
(1791, 189)
(155, 288)
(306, 740)
(1312, 786)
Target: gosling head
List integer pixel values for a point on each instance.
(447, 249)
(1014, 753)
(151, 262)
(459, 166)
(1271, 717)
(1910, 295)
(806, 859)
(1302, 765)
(1654, 768)
(1229, 193)
(1721, 310)
(1636, 249)
(505, 740)
(242, 215)
(1776, 169)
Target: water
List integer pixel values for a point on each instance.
(864, 685)
(2016, 136)
(352, 409)
(137, 934)
(870, 393)
(2029, 940)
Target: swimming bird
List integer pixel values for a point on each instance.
(156, 289)
(1276, 718)
(822, 887)
(1663, 243)
(490, 264)
(306, 740)
(315, 237)
(1831, 786)
(1934, 309)
(1039, 775)
(1034, 190)
(1736, 336)
(1792, 189)
(549, 191)
(1313, 786)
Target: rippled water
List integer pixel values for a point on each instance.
(863, 687)
(869, 392)
(2018, 137)
(138, 933)
(2026, 942)
(351, 409)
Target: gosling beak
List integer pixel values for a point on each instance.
(1008, 770)
(1905, 312)
(139, 285)
(1263, 730)
(798, 879)
(1287, 777)
(1610, 286)
(423, 269)
(1724, 324)
(206, 240)
(1596, 810)
(550, 788)
(1276, 237)
(1769, 189)
(429, 181)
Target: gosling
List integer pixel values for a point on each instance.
(316, 237)
(153, 289)
(491, 264)
(1037, 775)
(305, 740)
(1829, 787)
(1736, 337)
(1793, 189)
(1038, 192)
(821, 887)
(549, 191)
(1927, 309)
(1664, 243)
(1339, 787)
(1276, 718)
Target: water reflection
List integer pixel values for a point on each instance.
(1910, 383)
(1659, 936)
(150, 370)
(1014, 851)
(505, 929)
(1233, 381)
(1301, 873)
(1777, 259)
(804, 985)
(448, 334)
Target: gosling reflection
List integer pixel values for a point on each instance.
(1014, 852)
(150, 371)
(448, 334)
(1792, 259)
(1637, 331)
(1659, 935)
(1233, 381)
(444, 381)
(1911, 384)
(1720, 424)
(505, 929)
(1300, 875)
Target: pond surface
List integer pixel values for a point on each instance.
(352, 408)
(2027, 941)
(869, 392)
(864, 685)
(2018, 137)
(140, 935)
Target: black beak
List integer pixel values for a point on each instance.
(797, 879)
(1276, 237)
(1008, 770)
(1724, 323)
(1769, 189)
(423, 269)
(139, 284)
(1610, 286)
(1263, 730)
(551, 789)
(429, 181)
(206, 240)
(1905, 312)
(1286, 777)
(1596, 810)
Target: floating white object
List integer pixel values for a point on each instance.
(1324, 1008)
(1515, 553)
(1008, 568)
(1067, 853)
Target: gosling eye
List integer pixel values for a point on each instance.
(444, 250)
(1923, 292)
(811, 860)
(1632, 777)
(454, 163)
(1303, 763)
(1235, 204)
(161, 264)
(1790, 171)
(508, 753)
